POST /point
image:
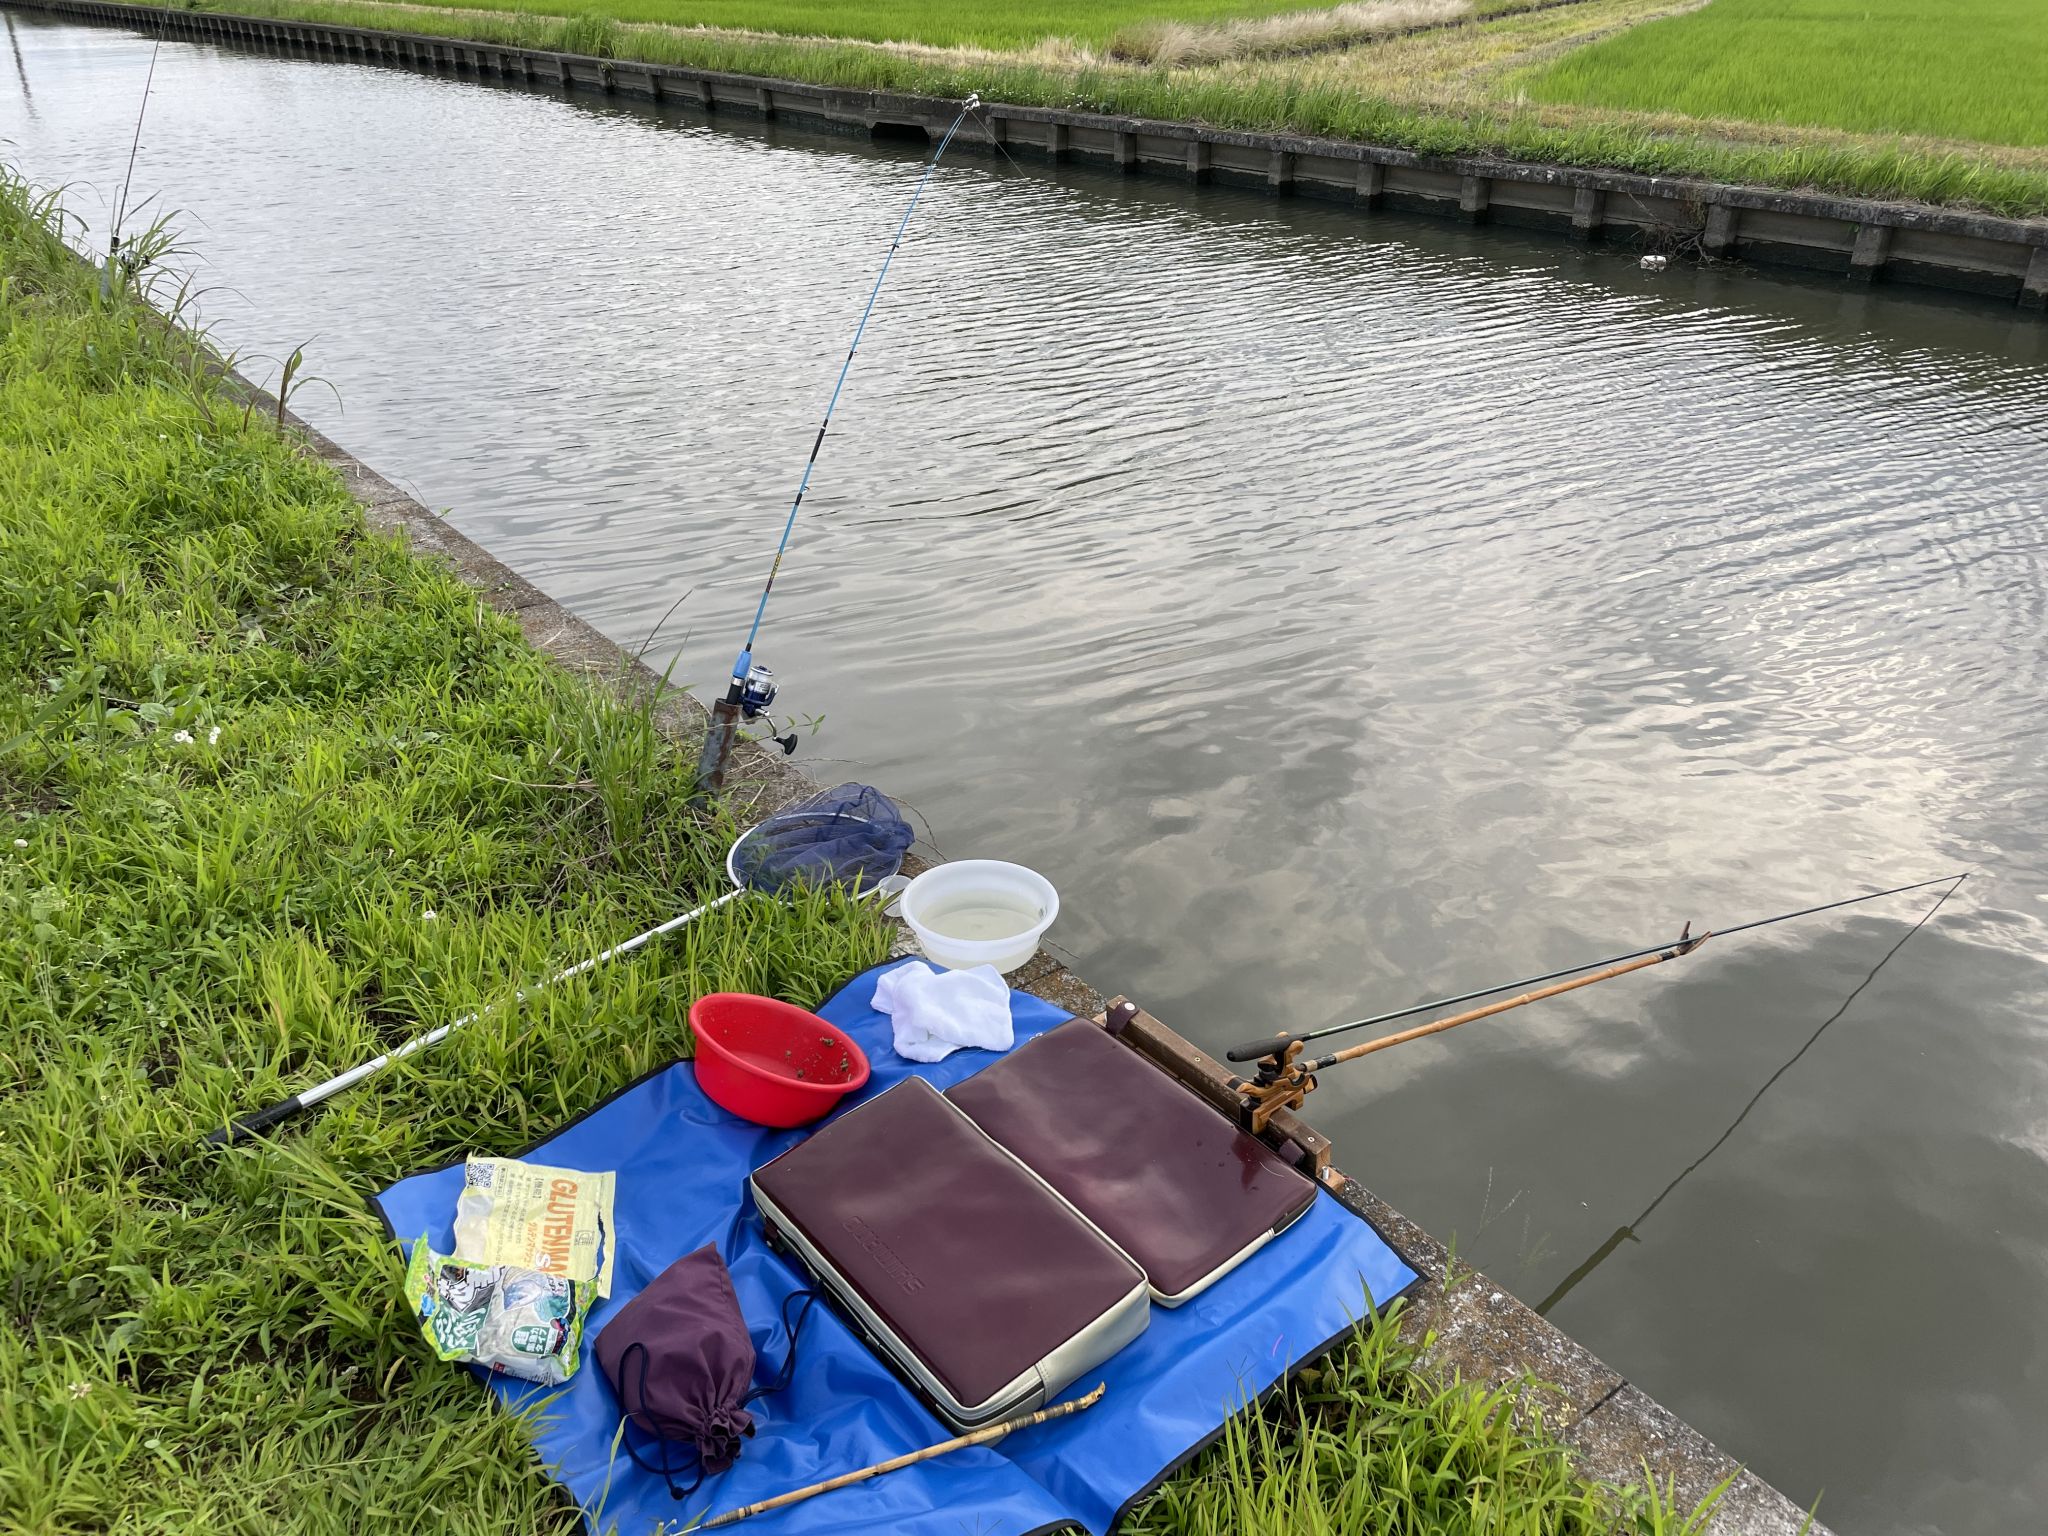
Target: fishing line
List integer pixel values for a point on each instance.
(1002, 149)
(752, 688)
(1628, 1232)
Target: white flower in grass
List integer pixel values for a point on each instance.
(182, 738)
(428, 915)
(21, 842)
(213, 737)
(81, 1389)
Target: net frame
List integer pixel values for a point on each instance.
(850, 834)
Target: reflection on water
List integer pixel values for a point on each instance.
(1340, 612)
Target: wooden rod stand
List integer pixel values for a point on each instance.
(1208, 1078)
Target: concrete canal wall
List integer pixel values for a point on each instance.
(1860, 240)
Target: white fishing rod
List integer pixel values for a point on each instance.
(752, 688)
(263, 1119)
(857, 841)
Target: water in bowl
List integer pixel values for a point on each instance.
(981, 916)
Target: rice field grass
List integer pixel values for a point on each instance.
(939, 23)
(1963, 70)
(1058, 31)
(1145, 31)
(274, 793)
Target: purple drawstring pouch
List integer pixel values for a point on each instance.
(681, 1359)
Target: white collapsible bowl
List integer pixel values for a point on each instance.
(1000, 884)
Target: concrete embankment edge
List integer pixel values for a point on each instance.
(1475, 1329)
(1858, 239)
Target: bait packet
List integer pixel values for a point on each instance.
(555, 1220)
(512, 1321)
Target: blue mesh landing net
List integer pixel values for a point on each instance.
(844, 835)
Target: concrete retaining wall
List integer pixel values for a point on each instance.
(1859, 239)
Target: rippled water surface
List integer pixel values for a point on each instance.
(1341, 611)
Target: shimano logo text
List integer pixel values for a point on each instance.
(883, 1255)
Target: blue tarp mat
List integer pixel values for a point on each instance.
(682, 1167)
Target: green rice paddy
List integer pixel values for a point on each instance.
(1964, 69)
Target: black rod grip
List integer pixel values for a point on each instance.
(254, 1125)
(1252, 1050)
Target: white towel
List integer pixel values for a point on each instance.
(937, 1012)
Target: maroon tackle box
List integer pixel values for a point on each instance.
(983, 1287)
(1167, 1178)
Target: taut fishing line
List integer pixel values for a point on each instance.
(1627, 1233)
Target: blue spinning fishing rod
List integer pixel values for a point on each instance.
(752, 688)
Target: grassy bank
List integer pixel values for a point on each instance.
(1450, 89)
(272, 794)
(1366, 1445)
(1970, 69)
(1063, 26)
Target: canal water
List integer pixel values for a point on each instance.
(1341, 610)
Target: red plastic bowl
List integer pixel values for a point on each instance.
(771, 1062)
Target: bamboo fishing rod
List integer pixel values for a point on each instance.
(986, 1436)
(1285, 1078)
(1253, 1050)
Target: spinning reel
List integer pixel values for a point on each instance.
(757, 693)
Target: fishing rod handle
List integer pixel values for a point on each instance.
(1255, 1050)
(250, 1126)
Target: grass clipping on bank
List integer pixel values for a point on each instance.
(273, 795)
